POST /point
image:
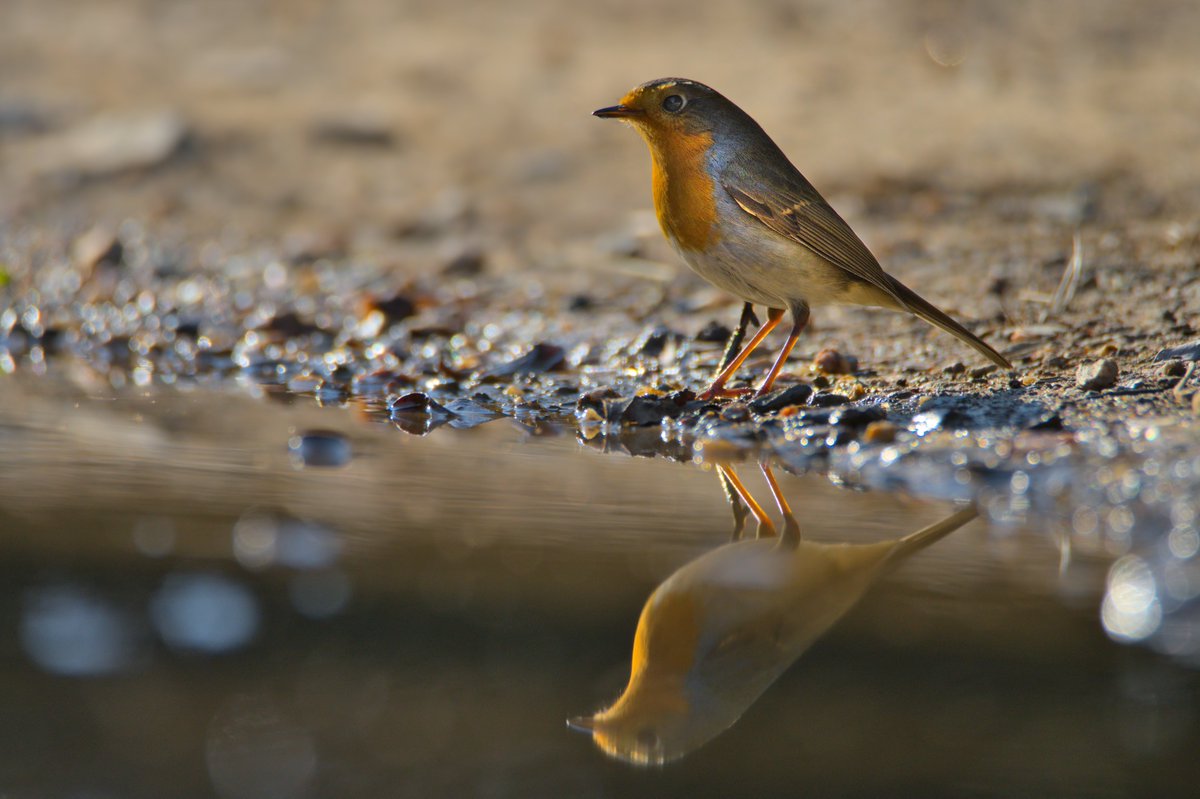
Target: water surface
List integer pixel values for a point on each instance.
(217, 594)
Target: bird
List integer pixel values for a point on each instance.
(746, 220)
(723, 627)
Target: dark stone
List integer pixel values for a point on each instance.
(715, 332)
(735, 412)
(840, 436)
(653, 342)
(395, 308)
(798, 394)
(1049, 424)
(416, 402)
(541, 358)
(580, 302)
(649, 410)
(290, 325)
(468, 263)
(857, 417)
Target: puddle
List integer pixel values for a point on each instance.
(246, 596)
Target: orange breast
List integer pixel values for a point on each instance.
(683, 190)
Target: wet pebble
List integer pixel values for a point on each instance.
(416, 402)
(653, 342)
(1097, 375)
(541, 358)
(798, 394)
(735, 412)
(880, 432)
(320, 448)
(857, 417)
(828, 399)
(644, 410)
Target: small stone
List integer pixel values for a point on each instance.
(468, 262)
(783, 398)
(832, 362)
(956, 368)
(1097, 375)
(654, 341)
(828, 400)
(98, 247)
(857, 417)
(541, 358)
(715, 332)
(983, 371)
(394, 308)
(735, 412)
(880, 432)
(354, 129)
(1173, 368)
(111, 145)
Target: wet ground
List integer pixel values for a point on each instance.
(349, 415)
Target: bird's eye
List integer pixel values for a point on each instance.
(673, 104)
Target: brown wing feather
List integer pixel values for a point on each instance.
(792, 207)
(802, 215)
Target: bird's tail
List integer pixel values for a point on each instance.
(931, 314)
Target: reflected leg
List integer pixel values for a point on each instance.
(791, 528)
(735, 504)
(765, 527)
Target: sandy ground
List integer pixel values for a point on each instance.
(967, 142)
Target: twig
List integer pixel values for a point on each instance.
(1070, 280)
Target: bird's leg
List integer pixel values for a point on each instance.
(735, 339)
(717, 388)
(765, 526)
(800, 316)
(735, 504)
(791, 528)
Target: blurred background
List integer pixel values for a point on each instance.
(375, 125)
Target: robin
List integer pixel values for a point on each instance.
(720, 630)
(748, 222)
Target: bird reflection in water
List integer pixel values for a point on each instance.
(715, 635)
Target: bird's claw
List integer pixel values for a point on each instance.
(720, 392)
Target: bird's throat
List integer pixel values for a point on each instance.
(683, 190)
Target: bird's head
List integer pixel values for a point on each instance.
(670, 106)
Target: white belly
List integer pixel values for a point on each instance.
(762, 267)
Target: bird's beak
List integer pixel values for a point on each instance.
(617, 112)
(584, 724)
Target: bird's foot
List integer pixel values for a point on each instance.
(720, 392)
